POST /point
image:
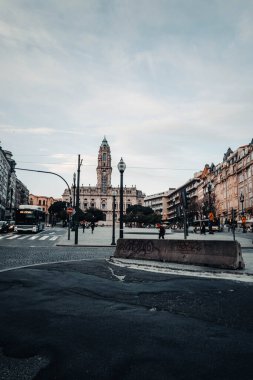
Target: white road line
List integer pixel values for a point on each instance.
(12, 237)
(44, 237)
(34, 237)
(54, 238)
(23, 237)
(5, 236)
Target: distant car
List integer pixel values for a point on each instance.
(11, 225)
(3, 226)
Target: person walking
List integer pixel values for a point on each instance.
(161, 232)
(83, 225)
(92, 227)
(203, 229)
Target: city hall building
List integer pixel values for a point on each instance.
(101, 195)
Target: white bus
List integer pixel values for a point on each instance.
(29, 218)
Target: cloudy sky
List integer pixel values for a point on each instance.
(168, 82)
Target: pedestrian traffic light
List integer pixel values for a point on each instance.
(211, 216)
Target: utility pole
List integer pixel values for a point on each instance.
(77, 199)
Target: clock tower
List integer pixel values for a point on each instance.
(104, 168)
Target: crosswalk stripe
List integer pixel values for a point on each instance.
(44, 237)
(29, 237)
(34, 237)
(12, 237)
(5, 236)
(54, 238)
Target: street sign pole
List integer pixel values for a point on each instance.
(69, 212)
(77, 199)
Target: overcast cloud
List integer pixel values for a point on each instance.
(169, 83)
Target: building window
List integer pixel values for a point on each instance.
(104, 156)
(104, 183)
(39, 202)
(44, 202)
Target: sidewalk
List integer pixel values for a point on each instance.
(102, 236)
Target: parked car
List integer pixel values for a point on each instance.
(3, 226)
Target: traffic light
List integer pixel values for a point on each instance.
(184, 199)
(187, 200)
(234, 214)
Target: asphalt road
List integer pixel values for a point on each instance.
(91, 320)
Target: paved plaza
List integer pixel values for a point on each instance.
(102, 236)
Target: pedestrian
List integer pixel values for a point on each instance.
(92, 227)
(161, 232)
(203, 229)
(83, 225)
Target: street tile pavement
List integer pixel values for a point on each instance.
(102, 236)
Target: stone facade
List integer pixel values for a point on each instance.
(7, 185)
(220, 188)
(173, 206)
(42, 201)
(101, 195)
(158, 203)
(22, 194)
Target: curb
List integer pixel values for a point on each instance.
(85, 245)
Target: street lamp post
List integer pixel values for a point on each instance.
(11, 197)
(74, 189)
(121, 167)
(242, 201)
(209, 189)
(77, 199)
(113, 217)
(243, 223)
(74, 203)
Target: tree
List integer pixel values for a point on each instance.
(140, 215)
(59, 210)
(93, 215)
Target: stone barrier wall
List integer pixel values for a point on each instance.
(214, 253)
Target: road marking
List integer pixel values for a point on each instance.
(54, 238)
(23, 237)
(120, 278)
(12, 237)
(34, 237)
(44, 237)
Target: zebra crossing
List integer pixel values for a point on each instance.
(29, 237)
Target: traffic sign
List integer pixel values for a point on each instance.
(70, 210)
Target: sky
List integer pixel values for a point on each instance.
(168, 82)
